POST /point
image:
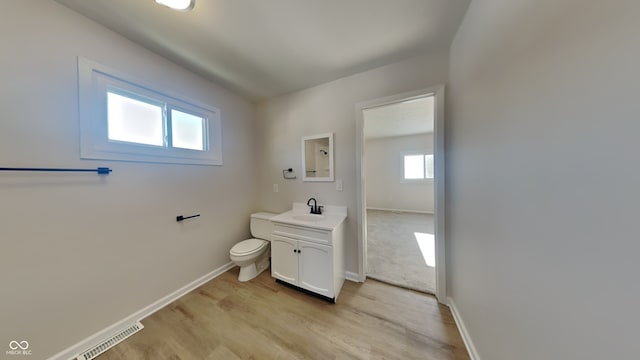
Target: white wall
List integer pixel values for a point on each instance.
(330, 108)
(542, 147)
(386, 188)
(78, 251)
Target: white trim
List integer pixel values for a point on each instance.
(401, 210)
(471, 349)
(439, 200)
(438, 92)
(352, 276)
(99, 336)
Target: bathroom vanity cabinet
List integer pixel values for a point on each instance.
(309, 253)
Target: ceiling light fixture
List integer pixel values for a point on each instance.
(180, 5)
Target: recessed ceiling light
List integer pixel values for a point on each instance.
(182, 5)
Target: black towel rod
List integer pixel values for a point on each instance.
(100, 170)
(180, 217)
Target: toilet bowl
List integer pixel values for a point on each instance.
(252, 255)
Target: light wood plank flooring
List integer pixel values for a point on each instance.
(261, 319)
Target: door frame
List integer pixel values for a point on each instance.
(439, 181)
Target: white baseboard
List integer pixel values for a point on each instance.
(96, 338)
(471, 349)
(401, 210)
(351, 276)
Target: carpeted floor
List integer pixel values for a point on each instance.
(399, 246)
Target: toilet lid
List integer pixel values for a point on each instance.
(248, 246)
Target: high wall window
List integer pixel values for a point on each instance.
(418, 166)
(121, 119)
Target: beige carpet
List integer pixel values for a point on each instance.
(393, 249)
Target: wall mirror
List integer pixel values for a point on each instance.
(317, 157)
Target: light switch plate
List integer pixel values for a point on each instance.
(275, 188)
(339, 184)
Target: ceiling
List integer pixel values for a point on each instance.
(262, 49)
(410, 117)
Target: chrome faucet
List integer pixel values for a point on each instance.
(315, 209)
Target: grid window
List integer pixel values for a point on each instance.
(418, 167)
(122, 120)
(134, 121)
(413, 167)
(187, 130)
(428, 166)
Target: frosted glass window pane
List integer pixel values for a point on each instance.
(134, 121)
(414, 167)
(428, 166)
(187, 131)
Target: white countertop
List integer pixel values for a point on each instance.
(331, 217)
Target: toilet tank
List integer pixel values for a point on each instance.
(261, 225)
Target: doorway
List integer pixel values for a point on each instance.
(401, 190)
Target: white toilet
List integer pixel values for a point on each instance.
(252, 255)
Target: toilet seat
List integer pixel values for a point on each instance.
(248, 247)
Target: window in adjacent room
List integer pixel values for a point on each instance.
(418, 166)
(123, 120)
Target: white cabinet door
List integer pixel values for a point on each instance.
(284, 259)
(316, 269)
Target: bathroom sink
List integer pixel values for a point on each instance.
(299, 215)
(308, 217)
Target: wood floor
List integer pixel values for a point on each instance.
(260, 319)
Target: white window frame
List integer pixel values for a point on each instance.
(94, 80)
(414, 153)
